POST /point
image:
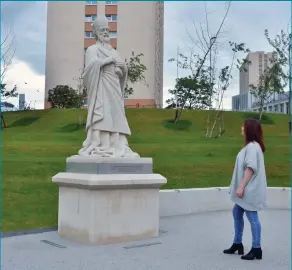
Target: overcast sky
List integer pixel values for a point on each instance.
(246, 23)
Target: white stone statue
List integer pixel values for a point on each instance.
(105, 77)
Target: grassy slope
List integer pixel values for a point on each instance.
(36, 144)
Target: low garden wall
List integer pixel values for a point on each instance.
(198, 200)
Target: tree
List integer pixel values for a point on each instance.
(8, 93)
(8, 47)
(81, 89)
(7, 104)
(63, 96)
(135, 73)
(25, 106)
(280, 72)
(204, 52)
(205, 43)
(198, 90)
(263, 91)
(224, 80)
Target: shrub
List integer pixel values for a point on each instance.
(63, 96)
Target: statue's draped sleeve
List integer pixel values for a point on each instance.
(91, 80)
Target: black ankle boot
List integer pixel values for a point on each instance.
(255, 253)
(234, 248)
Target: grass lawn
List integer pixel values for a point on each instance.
(36, 144)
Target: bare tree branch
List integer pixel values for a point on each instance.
(202, 60)
(8, 47)
(198, 44)
(207, 21)
(200, 41)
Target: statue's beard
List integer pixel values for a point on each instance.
(104, 40)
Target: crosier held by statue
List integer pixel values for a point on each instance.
(105, 78)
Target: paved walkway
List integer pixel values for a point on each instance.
(185, 242)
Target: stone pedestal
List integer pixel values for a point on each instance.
(108, 200)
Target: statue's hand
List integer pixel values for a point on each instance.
(109, 60)
(114, 60)
(119, 72)
(119, 64)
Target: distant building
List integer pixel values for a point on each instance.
(21, 102)
(250, 73)
(242, 102)
(278, 103)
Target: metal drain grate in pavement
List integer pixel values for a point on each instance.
(143, 245)
(52, 244)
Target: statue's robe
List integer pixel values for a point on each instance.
(106, 127)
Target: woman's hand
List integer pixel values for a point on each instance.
(240, 192)
(248, 173)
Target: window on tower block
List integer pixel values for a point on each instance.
(112, 18)
(91, 2)
(90, 18)
(88, 35)
(111, 2)
(112, 34)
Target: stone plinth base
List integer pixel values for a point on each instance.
(99, 165)
(108, 208)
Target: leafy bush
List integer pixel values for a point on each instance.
(63, 96)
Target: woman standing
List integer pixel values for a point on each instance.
(249, 189)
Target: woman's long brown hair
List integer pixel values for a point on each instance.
(253, 132)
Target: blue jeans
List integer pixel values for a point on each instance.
(255, 225)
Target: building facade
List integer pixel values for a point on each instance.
(250, 73)
(21, 102)
(242, 102)
(277, 103)
(135, 27)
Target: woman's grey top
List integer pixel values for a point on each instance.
(255, 193)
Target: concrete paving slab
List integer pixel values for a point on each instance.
(185, 242)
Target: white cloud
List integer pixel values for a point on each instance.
(28, 82)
